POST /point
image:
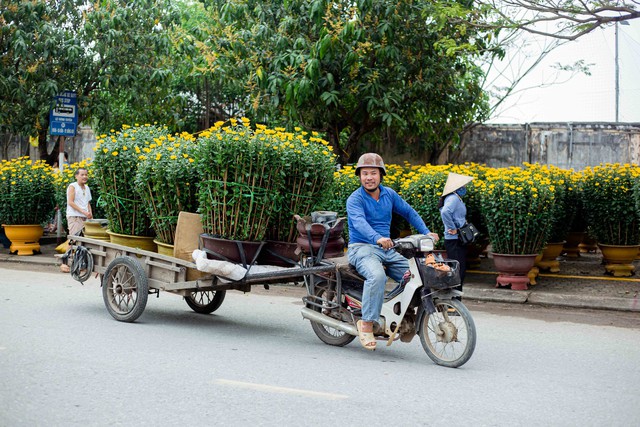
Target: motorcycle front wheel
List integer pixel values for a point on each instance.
(448, 336)
(328, 335)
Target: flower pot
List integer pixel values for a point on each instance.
(25, 239)
(164, 248)
(549, 257)
(141, 242)
(588, 245)
(278, 253)
(618, 259)
(312, 234)
(572, 245)
(236, 251)
(513, 270)
(474, 251)
(96, 229)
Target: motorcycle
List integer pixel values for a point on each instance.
(426, 304)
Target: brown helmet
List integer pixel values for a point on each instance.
(371, 160)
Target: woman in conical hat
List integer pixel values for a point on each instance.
(453, 213)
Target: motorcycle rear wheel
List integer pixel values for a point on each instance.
(327, 334)
(448, 336)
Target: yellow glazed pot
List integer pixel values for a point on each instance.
(618, 260)
(140, 242)
(96, 229)
(25, 239)
(164, 248)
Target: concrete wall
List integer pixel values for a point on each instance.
(566, 145)
(79, 147)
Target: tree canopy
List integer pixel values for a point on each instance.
(349, 69)
(405, 71)
(113, 54)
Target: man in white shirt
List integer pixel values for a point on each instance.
(78, 202)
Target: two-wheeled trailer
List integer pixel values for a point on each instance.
(129, 275)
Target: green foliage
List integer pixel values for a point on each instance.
(518, 208)
(26, 192)
(610, 194)
(360, 67)
(566, 202)
(252, 181)
(116, 55)
(116, 163)
(423, 189)
(166, 180)
(308, 166)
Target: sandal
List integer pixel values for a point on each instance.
(367, 339)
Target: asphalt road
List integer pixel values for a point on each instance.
(64, 361)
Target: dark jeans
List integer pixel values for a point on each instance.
(458, 251)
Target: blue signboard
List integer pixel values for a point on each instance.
(63, 117)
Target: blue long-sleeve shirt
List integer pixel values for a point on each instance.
(453, 214)
(370, 219)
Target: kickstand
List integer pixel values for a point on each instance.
(393, 335)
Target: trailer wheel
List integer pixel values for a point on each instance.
(205, 302)
(125, 289)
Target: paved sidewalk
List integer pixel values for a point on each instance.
(581, 283)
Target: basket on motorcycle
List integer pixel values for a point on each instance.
(436, 277)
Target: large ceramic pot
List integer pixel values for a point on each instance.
(96, 229)
(139, 242)
(164, 248)
(311, 235)
(572, 245)
(513, 270)
(618, 260)
(474, 251)
(236, 251)
(588, 245)
(282, 254)
(549, 258)
(25, 239)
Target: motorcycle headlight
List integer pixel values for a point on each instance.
(426, 245)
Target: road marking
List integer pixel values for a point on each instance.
(282, 390)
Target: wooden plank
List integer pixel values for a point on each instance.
(171, 267)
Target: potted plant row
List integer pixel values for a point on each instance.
(26, 202)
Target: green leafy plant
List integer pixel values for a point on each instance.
(610, 192)
(566, 194)
(252, 181)
(308, 164)
(344, 183)
(240, 182)
(422, 189)
(26, 192)
(166, 180)
(116, 163)
(518, 207)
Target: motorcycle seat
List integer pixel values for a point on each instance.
(348, 271)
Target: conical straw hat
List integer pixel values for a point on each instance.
(455, 181)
